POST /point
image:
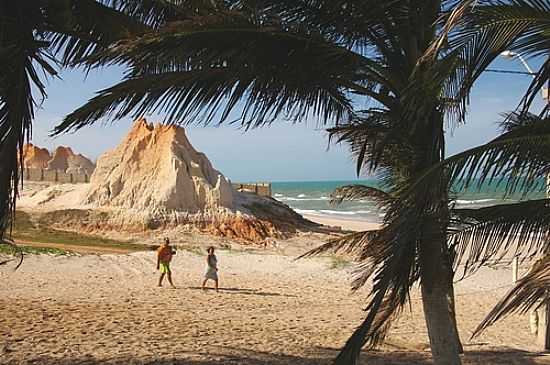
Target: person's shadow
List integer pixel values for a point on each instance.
(244, 291)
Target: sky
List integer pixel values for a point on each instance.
(281, 152)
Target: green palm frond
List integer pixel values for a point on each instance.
(272, 75)
(156, 13)
(359, 192)
(23, 58)
(75, 33)
(390, 261)
(354, 23)
(529, 293)
(349, 244)
(480, 30)
(198, 96)
(32, 35)
(374, 139)
(17, 253)
(222, 38)
(491, 233)
(518, 159)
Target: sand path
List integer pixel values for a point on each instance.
(272, 310)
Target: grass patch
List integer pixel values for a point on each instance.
(25, 229)
(338, 263)
(27, 250)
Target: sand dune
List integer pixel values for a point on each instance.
(272, 310)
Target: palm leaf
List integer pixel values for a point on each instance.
(491, 233)
(156, 13)
(529, 293)
(80, 28)
(17, 253)
(297, 82)
(517, 159)
(359, 192)
(480, 30)
(374, 139)
(23, 58)
(352, 243)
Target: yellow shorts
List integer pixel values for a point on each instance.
(164, 268)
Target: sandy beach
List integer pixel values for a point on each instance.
(271, 309)
(345, 224)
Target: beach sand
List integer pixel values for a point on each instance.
(345, 224)
(95, 309)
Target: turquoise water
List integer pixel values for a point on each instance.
(313, 197)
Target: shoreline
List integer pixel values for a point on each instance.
(345, 224)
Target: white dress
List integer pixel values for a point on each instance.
(211, 268)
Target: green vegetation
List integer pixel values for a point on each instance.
(9, 250)
(339, 263)
(28, 231)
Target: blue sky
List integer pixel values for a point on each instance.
(281, 152)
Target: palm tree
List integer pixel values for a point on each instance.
(37, 37)
(259, 61)
(519, 159)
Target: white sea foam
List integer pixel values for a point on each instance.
(328, 212)
(307, 211)
(302, 199)
(478, 201)
(337, 212)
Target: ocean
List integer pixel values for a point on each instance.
(313, 198)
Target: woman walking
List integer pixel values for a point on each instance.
(211, 268)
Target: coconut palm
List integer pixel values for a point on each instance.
(370, 70)
(518, 159)
(37, 37)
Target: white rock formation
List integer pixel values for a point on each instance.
(155, 169)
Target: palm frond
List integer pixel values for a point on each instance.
(374, 139)
(389, 259)
(80, 28)
(480, 30)
(529, 293)
(359, 192)
(275, 75)
(156, 13)
(23, 58)
(349, 244)
(17, 253)
(354, 23)
(492, 233)
(517, 159)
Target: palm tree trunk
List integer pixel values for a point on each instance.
(452, 310)
(440, 319)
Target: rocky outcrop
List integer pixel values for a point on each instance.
(64, 159)
(35, 157)
(155, 180)
(155, 169)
